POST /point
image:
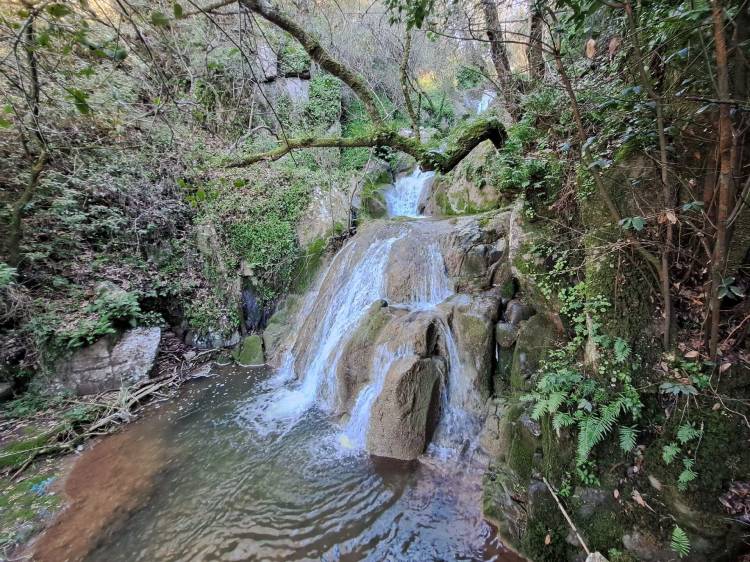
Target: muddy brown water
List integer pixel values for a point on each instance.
(193, 481)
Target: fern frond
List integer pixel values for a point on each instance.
(669, 452)
(627, 438)
(680, 542)
(687, 432)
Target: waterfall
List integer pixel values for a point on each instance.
(457, 429)
(353, 281)
(487, 98)
(432, 285)
(403, 198)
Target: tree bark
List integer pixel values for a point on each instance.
(534, 53)
(500, 55)
(725, 174)
(15, 226)
(404, 73)
(312, 46)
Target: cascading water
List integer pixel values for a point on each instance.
(278, 480)
(402, 200)
(487, 98)
(353, 282)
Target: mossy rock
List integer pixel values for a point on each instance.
(250, 351)
(278, 325)
(536, 337)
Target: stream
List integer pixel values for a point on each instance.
(259, 463)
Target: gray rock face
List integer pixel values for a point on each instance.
(405, 413)
(327, 208)
(111, 363)
(268, 61)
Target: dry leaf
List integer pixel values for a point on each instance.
(671, 217)
(547, 539)
(640, 501)
(616, 493)
(724, 367)
(716, 406)
(692, 354)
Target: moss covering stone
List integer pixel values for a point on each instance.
(250, 351)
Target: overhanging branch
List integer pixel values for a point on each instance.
(458, 145)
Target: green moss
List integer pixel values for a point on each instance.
(545, 543)
(324, 105)
(24, 504)
(250, 351)
(602, 531)
(308, 265)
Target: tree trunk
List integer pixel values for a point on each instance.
(534, 52)
(725, 174)
(667, 191)
(460, 145)
(499, 55)
(404, 73)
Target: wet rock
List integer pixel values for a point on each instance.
(465, 189)
(354, 367)
(6, 391)
(535, 338)
(505, 334)
(256, 315)
(406, 411)
(111, 362)
(250, 351)
(516, 312)
(278, 327)
(472, 320)
(211, 340)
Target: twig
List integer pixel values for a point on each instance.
(567, 517)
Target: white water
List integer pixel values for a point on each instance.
(358, 281)
(488, 97)
(357, 277)
(402, 200)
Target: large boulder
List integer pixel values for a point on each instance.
(406, 411)
(328, 209)
(466, 189)
(472, 319)
(250, 351)
(110, 363)
(353, 368)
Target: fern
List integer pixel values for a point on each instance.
(687, 475)
(687, 432)
(680, 542)
(562, 419)
(669, 452)
(627, 438)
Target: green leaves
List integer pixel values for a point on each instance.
(177, 9)
(633, 223)
(80, 100)
(58, 10)
(687, 475)
(727, 288)
(687, 432)
(680, 543)
(159, 19)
